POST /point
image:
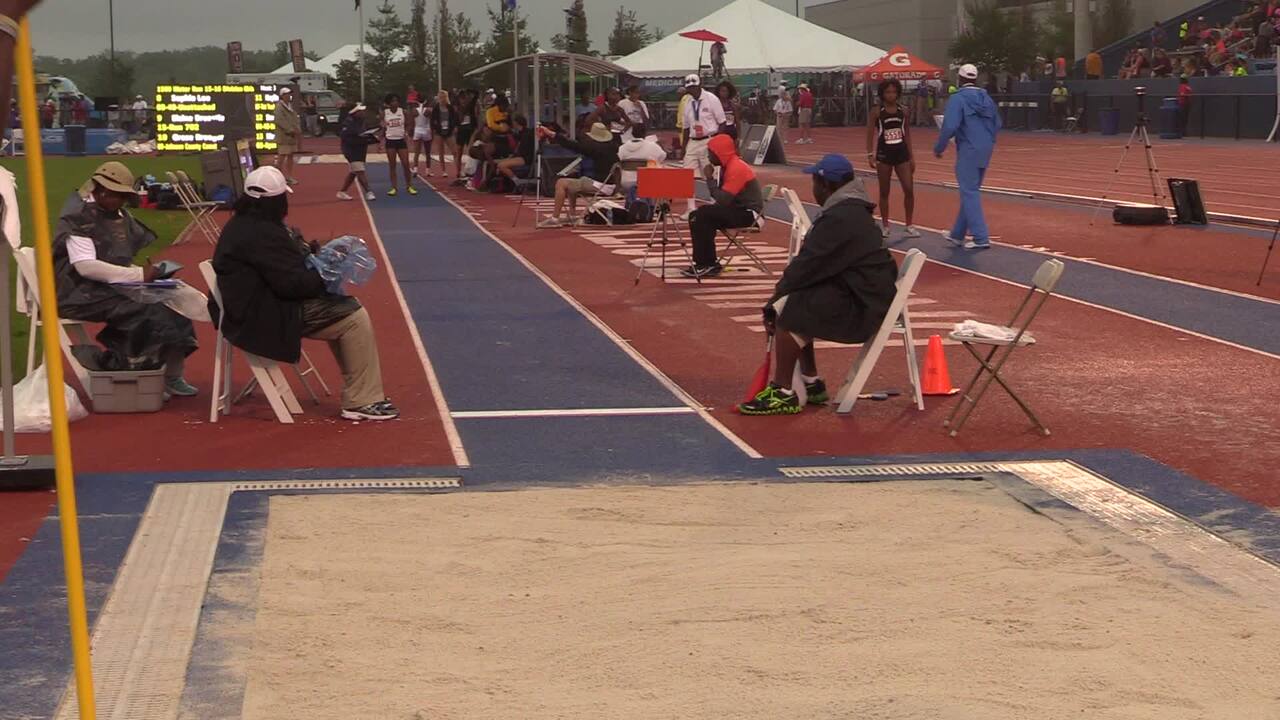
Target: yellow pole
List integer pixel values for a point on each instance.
(53, 364)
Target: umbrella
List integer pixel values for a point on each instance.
(703, 36)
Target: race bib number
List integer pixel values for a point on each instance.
(698, 131)
(893, 136)
(444, 124)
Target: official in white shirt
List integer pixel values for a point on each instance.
(703, 116)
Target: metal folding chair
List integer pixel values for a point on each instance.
(897, 319)
(990, 365)
(198, 209)
(734, 237)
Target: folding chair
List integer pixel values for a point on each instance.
(28, 302)
(603, 204)
(524, 183)
(897, 319)
(198, 209)
(266, 373)
(734, 236)
(1042, 284)
(800, 222)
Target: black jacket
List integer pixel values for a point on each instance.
(841, 283)
(604, 155)
(438, 118)
(263, 278)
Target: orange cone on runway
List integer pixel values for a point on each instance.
(937, 379)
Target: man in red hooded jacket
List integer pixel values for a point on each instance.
(737, 203)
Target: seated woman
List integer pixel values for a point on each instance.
(525, 149)
(93, 251)
(271, 298)
(838, 287)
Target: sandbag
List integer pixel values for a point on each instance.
(1140, 215)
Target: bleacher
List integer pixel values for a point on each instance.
(1218, 15)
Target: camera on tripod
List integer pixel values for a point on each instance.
(1140, 92)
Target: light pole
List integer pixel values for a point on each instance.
(111, 25)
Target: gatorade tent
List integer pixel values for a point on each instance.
(761, 39)
(899, 64)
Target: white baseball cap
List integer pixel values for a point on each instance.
(692, 79)
(968, 71)
(266, 181)
(286, 90)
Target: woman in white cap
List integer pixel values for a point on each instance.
(272, 298)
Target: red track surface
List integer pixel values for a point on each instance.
(180, 438)
(1235, 176)
(1099, 379)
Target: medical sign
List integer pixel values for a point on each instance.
(201, 118)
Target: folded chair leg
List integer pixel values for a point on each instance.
(312, 370)
(1025, 407)
(966, 393)
(913, 363)
(986, 374)
(857, 377)
(263, 376)
(217, 381)
(282, 387)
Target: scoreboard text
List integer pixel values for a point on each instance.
(199, 118)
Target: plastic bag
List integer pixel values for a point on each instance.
(343, 260)
(31, 412)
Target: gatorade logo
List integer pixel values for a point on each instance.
(900, 59)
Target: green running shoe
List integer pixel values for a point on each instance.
(772, 400)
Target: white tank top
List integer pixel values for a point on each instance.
(394, 120)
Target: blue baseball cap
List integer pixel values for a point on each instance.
(832, 166)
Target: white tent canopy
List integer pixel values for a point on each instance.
(329, 63)
(760, 38)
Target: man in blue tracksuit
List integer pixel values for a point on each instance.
(972, 118)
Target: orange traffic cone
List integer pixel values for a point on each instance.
(937, 379)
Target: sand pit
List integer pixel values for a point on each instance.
(883, 600)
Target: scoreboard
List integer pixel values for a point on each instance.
(200, 118)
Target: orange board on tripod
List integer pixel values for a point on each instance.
(664, 183)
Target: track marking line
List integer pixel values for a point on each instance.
(573, 412)
(617, 339)
(442, 404)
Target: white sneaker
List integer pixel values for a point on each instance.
(370, 196)
(683, 217)
(911, 232)
(343, 196)
(551, 222)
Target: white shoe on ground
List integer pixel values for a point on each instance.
(343, 196)
(911, 232)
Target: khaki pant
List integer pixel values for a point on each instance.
(353, 345)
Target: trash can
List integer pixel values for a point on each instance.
(1169, 119)
(75, 138)
(1109, 121)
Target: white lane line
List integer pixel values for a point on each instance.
(573, 412)
(617, 339)
(442, 405)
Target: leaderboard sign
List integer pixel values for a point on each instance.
(200, 118)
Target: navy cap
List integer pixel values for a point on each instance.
(832, 166)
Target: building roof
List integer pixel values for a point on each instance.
(761, 38)
(587, 64)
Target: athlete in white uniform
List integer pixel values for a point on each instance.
(422, 135)
(393, 132)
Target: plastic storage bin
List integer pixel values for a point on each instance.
(137, 391)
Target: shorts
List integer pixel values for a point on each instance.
(893, 155)
(355, 166)
(422, 135)
(581, 186)
(400, 144)
(464, 134)
(806, 116)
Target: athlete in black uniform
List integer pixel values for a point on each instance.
(889, 151)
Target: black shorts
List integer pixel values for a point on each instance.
(400, 144)
(893, 155)
(464, 133)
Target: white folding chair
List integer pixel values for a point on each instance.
(199, 210)
(1042, 285)
(28, 302)
(800, 221)
(266, 372)
(897, 319)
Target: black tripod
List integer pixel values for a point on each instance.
(1267, 259)
(660, 236)
(1153, 172)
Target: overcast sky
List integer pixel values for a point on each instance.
(77, 28)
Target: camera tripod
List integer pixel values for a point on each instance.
(1267, 259)
(1139, 133)
(660, 236)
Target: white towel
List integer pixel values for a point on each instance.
(975, 329)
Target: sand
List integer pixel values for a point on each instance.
(882, 600)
